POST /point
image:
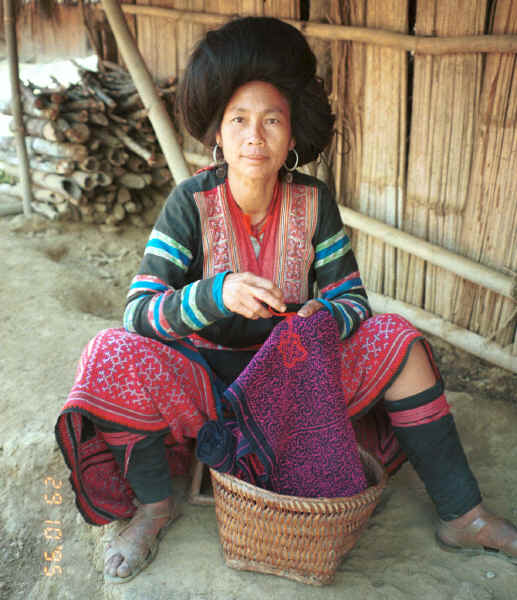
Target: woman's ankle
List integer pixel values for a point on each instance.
(467, 518)
(157, 510)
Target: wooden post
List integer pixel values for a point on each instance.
(436, 255)
(16, 103)
(418, 44)
(13, 207)
(145, 86)
(457, 336)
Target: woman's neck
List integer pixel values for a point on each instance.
(253, 196)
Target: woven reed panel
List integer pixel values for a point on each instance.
(42, 39)
(369, 97)
(461, 186)
(164, 43)
(445, 104)
(489, 234)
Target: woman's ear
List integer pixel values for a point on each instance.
(292, 144)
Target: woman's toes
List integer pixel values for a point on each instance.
(124, 570)
(112, 565)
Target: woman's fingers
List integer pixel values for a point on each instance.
(270, 296)
(246, 294)
(254, 310)
(307, 310)
(251, 296)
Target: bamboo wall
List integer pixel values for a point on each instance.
(429, 144)
(461, 186)
(41, 39)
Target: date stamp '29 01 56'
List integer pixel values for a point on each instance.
(53, 530)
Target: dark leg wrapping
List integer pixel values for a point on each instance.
(144, 463)
(434, 449)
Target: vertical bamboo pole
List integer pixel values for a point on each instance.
(12, 53)
(158, 116)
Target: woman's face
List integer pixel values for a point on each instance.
(255, 132)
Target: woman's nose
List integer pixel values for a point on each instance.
(256, 134)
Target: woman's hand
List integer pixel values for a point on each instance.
(308, 309)
(246, 294)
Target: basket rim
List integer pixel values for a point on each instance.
(305, 503)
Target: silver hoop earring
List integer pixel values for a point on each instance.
(289, 174)
(220, 165)
(215, 151)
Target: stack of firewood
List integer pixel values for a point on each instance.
(93, 154)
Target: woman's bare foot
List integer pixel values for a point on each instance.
(136, 545)
(479, 531)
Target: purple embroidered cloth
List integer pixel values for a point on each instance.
(285, 425)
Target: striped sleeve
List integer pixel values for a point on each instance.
(339, 281)
(167, 299)
(166, 247)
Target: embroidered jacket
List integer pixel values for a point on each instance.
(199, 238)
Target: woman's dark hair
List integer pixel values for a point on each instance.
(256, 49)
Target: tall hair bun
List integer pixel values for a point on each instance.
(252, 49)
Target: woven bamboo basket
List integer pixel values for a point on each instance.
(299, 538)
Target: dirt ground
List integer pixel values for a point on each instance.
(61, 283)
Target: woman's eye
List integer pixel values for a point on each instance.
(272, 121)
(237, 120)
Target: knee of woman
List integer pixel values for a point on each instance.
(105, 335)
(103, 343)
(392, 321)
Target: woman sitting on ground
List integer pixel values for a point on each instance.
(245, 237)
